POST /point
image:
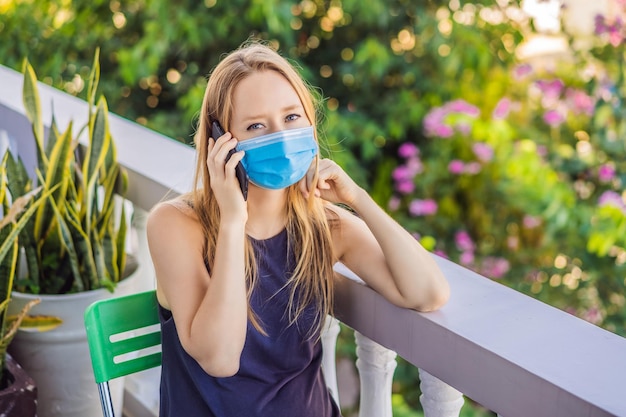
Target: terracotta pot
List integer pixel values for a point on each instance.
(19, 399)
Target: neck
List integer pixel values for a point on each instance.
(267, 214)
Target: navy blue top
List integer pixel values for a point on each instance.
(279, 375)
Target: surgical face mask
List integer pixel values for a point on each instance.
(280, 159)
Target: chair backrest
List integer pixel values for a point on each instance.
(124, 335)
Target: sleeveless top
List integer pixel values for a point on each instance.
(279, 375)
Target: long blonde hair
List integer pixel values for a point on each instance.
(307, 219)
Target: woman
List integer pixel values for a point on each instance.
(244, 283)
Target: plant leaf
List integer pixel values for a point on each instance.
(94, 161)
(57, 173)
(32, 105)
(121, 244)
(40, 323)
(68, 244)
(20, 203)
(88, 273)
(94, 79)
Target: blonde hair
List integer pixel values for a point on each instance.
(307, 220)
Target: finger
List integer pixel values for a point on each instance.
(233, 161)
(325, 175)
(221, 154)
(211, 144)
(220, 142)
(209, 157)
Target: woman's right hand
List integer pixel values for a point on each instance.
(223, 179)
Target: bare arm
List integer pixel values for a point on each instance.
(210, 311)
(377, 248)
(388, 258)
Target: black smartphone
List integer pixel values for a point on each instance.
(240, 171)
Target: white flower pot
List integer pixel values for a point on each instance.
(58, 360)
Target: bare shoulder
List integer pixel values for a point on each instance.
(175, 240)
(180, 204)
(171, 218)
(346, 228)
(339, 217)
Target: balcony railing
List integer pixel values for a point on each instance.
(510, 353)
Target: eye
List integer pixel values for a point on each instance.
(292, 117)
(255, 126)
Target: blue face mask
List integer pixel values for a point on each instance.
(280, 159)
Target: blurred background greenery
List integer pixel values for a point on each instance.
(495, 134)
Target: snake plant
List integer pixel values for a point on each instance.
(15, 218)
(75, 240)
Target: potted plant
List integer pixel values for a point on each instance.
(18, 391)
(73, 249)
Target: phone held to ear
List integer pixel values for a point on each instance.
(240, 172)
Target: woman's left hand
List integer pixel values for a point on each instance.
(333, 184)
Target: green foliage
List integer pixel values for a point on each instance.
(75, 239)
(526, 184)
(15, 219)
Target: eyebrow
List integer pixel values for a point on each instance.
(283, 110)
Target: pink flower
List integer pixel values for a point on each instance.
(436, 123)
(600, 24)
(463, 107)
(441, 253)
(405, 187)
(512, 242)
(394, 203)
(606, 173)
(466, 258)
(408, 150)
(522, 71)
(419, 207)
(502, 109)
(495, 267)
(463, 241)
(579, 101)
(530, 222)
(551, 88)
(570, 310)
(472, 168)
(615, 38)
(553, 118)
(443, 131)
(456, 167)
(483, 151)
(402, 173)
(414, 165)
(593, 315)
(611, 198)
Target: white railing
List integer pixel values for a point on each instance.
(512, 354)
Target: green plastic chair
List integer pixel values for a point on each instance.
(123, 339)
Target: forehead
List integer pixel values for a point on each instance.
(263, 91)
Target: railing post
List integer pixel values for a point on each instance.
(330, 331)
(376, 365)
(438, 398)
